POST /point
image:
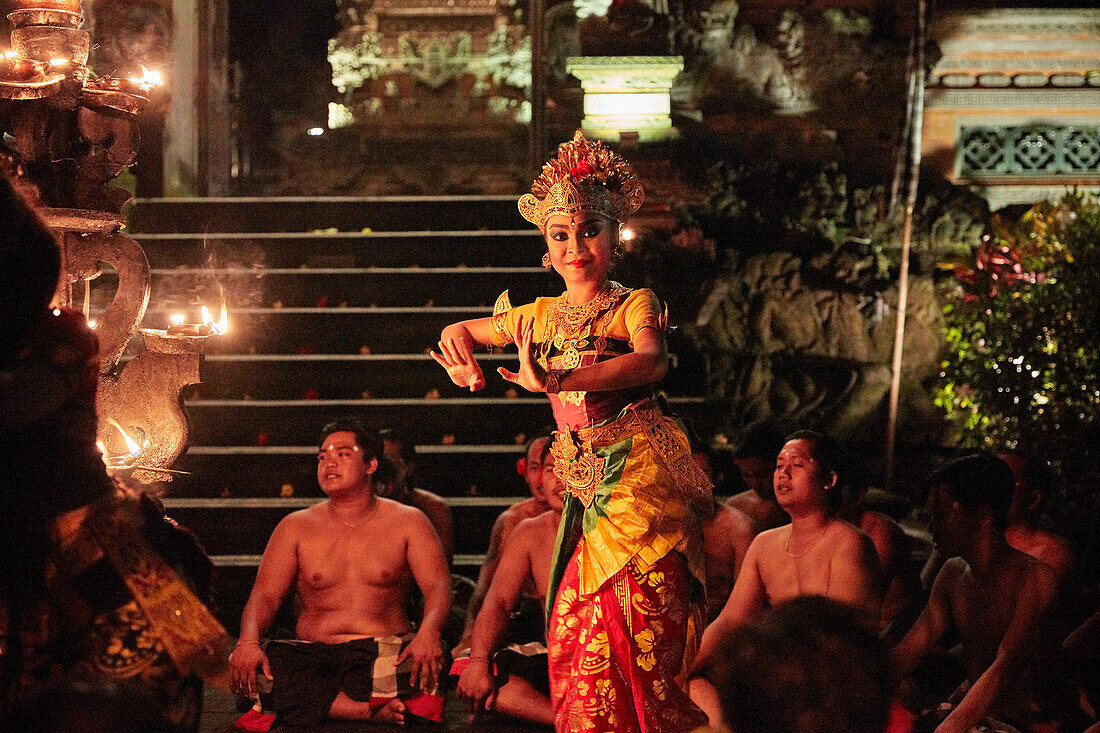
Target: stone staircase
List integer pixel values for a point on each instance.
(333, 304)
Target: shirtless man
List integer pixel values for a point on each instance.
(531, 468)
(525, 561)
(402, 454)
(754, 458)
(992, 594)
(351, 557)
(727, 534)
(1032, 481)
(817, 554)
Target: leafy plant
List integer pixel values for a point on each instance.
(1022, 333)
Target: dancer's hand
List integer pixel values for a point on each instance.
(457, 358)
(530, 376)
(476, 687)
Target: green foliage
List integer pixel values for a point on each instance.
(1022, 339)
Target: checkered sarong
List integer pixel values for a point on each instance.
(309, 675)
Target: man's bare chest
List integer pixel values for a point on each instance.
(325, 564)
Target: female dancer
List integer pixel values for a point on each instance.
(816, 554)
(624, 597)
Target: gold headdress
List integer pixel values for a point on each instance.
(586, 175)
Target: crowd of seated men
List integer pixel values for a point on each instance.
(984, 645)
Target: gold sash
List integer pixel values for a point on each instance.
(581, 469)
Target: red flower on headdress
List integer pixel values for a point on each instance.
(582, 169)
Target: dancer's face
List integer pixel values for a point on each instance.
(580, 246)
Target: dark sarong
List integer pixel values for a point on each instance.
(309, 675)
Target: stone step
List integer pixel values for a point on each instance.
(307, 213)
(467, 420)
(448, 470)
(473, 248)
(337, 287)
(347, 376)
(240, 530)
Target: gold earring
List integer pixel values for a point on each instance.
(546, 263)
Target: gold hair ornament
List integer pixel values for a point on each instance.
(586, 176)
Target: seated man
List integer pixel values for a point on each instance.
(817, 554)
(351, 557)
(531, 468)
(808, 665)
(521, 668)
(1032, 480)
(992, 594)
(402, 454)
(727, 534)
(899, 574)
(754, 458)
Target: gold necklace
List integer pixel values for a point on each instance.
(569, 319)
(787, 544)
(350, 525)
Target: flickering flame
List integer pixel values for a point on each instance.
(219, 326)
(10, 54)
(92, 323)
(177, 319)
(149, 78)
(58, 62)
(102, 448)
(131, 444)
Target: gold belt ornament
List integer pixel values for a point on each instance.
(578, 466)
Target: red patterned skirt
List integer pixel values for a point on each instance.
(618, 657)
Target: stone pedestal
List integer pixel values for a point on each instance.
(627, 95)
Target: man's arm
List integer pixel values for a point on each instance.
(439, 514)
(855, 580)
(278, 568)
(502, 527)
(746, 598)
(1033, 597)
(476, 683)
(932, 622)
(429, 569)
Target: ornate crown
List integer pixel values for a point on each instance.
(586, 175)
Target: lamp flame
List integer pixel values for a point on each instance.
(131, 444)
(149, 78)
(220, 326)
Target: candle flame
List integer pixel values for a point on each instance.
(131, 444)
(177, 319)
(219, 326)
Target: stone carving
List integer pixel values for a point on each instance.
(429, 62)
(730, 67)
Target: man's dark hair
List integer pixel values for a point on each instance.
(1035, 471)
(405, 447)
(759, 440)
(975, 481)
(829, 457)
(369, 441)
(805, 666)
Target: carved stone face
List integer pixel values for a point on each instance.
(715, 25)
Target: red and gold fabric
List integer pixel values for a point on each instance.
(630, 539)
(618, 657)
